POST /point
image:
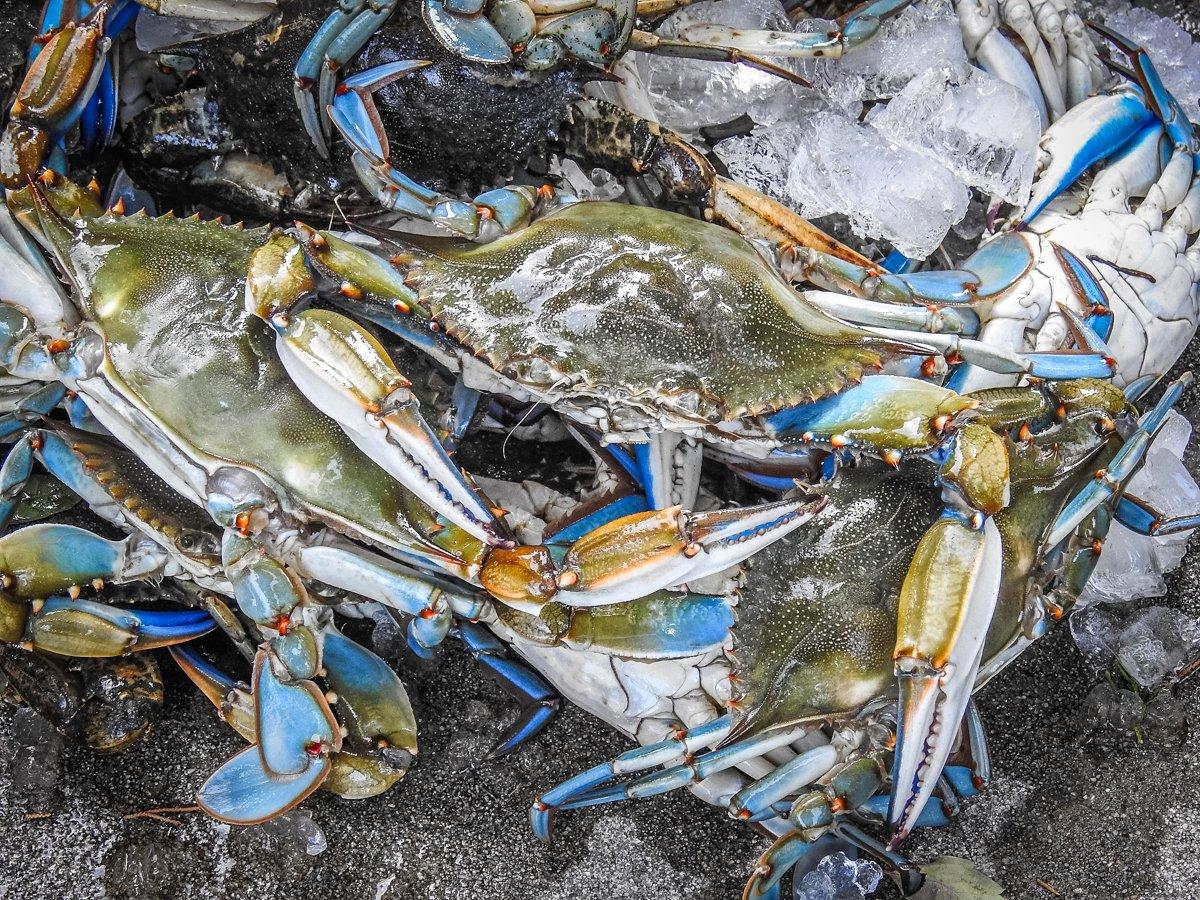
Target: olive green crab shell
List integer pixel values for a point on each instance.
(605, 300)
(817, 619)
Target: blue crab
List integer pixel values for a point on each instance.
(340, 481)
(820, 685)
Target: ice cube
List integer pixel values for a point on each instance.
(1151, 647)
(925, 36)
(886, 191)
(1132, 565)
(1174, 54)
(851, 878)
(814, 886)
(36, 762)
(1108, 706)
(983, 129)
(761, 159)
(1096, 632)
(687, 94)
(599, 184)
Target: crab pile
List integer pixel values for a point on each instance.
(820, 500)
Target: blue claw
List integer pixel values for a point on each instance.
(1105, 126)
(243, 792)
(1164, 105)
(375, 705)
(85, 628)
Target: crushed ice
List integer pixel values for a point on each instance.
(838, 877)
(937, 126)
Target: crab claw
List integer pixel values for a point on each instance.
(946, 604)
(646, 552)
(348, 375)
(296, 736)
(85, 628)
(56, 89)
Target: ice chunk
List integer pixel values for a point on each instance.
(1151, 647)
(599, 184)
(1132, 566)
(36, 763)
(983, 129)
(687, 94)
(1108, 706)
(838, 877)
(925, 36)
(1096, 631)
(886, 191)
(761, 159)
(1175, 55)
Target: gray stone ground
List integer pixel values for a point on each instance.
(1062, 816)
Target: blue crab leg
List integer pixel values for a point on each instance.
(663, 753)
(1052, 364)
(645, 552)
(1138, 515)
(803, 770)
(389, 583)
(347, 43)
(464, 28)
(946, 603)
(1110, 481)
(308, 70)
(691, 772)
(85, 628)
(1160, 101)
(1085, 135)
(854, 28)
(539, 701)
(293, 723)
(354, 114)
(348, 375)
(464, 406)
(872, 313)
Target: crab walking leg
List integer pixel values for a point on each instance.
(494, 212)
(1109, 481)
(391, 584)
(664, 753)
(539, 701)
(687, 773)
(946, 603)
(854, 28)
